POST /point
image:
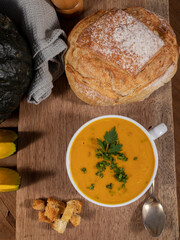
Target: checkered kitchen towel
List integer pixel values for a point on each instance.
(39, 22)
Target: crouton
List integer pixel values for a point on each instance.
(75, 220)
(56, 203)
(43, 218)
(59, 225)
(54, 209)
(57, 214)
(73, 207)
(39, 205)
(76, 204)
(52, 212)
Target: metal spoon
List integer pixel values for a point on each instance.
(153, 215)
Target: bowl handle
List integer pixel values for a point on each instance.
(158, 131)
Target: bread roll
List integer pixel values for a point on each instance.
(120, 56)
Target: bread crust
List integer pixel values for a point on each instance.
(75, 220)
(39, 205)
(97, 80)
(73, 207)
(43, 218)
(54, 209)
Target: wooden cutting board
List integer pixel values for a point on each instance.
(45, 131)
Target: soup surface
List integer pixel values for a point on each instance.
(139, 165)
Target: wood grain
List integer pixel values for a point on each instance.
(47, 128)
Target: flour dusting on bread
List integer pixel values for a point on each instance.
(120, 56)
(121, 38)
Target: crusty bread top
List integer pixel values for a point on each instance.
(120, 38)
(100, 78)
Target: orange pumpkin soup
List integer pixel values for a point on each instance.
(135, 159)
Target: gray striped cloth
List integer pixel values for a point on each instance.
(39, 22)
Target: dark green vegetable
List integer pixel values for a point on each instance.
(15, 67)
(135, 158)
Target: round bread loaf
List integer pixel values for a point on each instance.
(120, 56)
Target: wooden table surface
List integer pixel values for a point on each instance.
(7, 201)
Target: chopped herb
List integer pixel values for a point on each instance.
(83, 170)
(120, 175)
(108, 148)
(91, 187)
(109, 186)
(113, 165)
(101, 166)
(135, 158)
(101, 175)
(121, 156)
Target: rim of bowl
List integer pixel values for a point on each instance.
(68, 161)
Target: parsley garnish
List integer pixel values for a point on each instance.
(91, 187)
(122, 157)
(83, 170)
(109, 148)
(101, 166)
(111, 136)
(120, 175)
(123, 185)
(109, 186)
(135, 158)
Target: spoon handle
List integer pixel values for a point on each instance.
(152, 189)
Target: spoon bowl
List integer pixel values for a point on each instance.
(153, 215)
